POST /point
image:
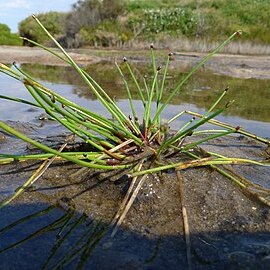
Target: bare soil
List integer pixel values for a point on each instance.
(241, 66)
(21, 55)
(229, 229)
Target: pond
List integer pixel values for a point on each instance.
(61, 221)
(250, 109)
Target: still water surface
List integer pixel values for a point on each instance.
(251, 109)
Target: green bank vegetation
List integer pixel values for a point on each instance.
(130, 23)
(8, 38)
(54, 22)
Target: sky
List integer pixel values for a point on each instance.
(14, 11)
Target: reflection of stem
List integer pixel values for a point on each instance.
(185, 218)
(61, 240)
(18, 222)
(74, 251)
(85, 242)
(38, 232)
(90, 246)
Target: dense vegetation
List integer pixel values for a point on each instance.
(53, 21)
(117, 22)
(8, 38)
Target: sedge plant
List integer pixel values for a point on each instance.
(140, 146)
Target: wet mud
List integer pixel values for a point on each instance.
(229, 229)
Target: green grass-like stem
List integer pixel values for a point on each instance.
(108, 103)
(193, 70)
(130, 99)
(240, 130)
(57, 153)
(214, 136)
(188, 131)
(9, 158)
(161, 89)
(135, 82)
(20, 101)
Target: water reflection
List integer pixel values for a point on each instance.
(56, 237)
(252, 96)
(250, 110)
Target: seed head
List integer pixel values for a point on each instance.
(239, 33)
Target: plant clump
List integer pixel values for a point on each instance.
(140, 145)
(125, 142)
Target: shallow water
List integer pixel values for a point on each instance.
(250, 110)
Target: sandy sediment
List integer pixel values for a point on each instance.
(10, 54)
(240, 66)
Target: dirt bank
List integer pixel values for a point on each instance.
(240, 66)
(10, 54)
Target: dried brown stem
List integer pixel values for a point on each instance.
(185, 218)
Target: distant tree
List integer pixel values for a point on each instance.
(8, 38)
(111, 9)
(53, 21)
(88, 14)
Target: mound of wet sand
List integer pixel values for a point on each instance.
(229, 229)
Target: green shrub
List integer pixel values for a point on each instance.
(54, 21)
(210, 19)
(175, 21)
(218, 18)
(8, 38)
(107, 33)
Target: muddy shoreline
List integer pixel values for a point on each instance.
(229, 230)
(240, 66)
